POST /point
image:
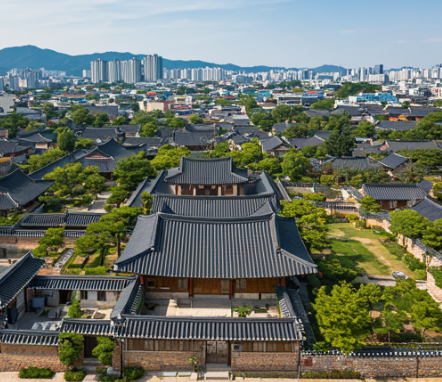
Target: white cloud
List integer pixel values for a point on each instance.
(435, 39)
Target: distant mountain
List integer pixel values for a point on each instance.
(30, 56)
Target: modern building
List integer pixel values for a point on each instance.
(99, 71)
(153, 68)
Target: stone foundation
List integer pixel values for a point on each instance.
(434, 290)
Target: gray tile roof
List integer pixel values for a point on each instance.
(429, 209)
(87, 327)
(280, 127)
(70, 158)
(394, 191)
(129, 129)
(100, 134)
(262, 245)
(300, 143)
(29, 337)
(117, 151)
(393, 161)
(397, 125)
(146, 141)
(397, 111)
(184, 138)
(128, 301)
(208, 171)
(423, 111)
(110, 110)
(80, 219)
(17, 277)
(316, 113)
(91, 283)
(352, 163)
(411, 145)
(211, 206)
(201, 128)
(18, 189)
(352, 111)
(222, 329)
(271, 143)
(426, 185)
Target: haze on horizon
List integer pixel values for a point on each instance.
(289, 33)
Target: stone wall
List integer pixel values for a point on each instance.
(16, 357)
(20, 242)
(434, 290)
(384, 224)
(248, 361)
(162, 360)
(375, 367)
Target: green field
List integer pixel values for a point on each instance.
(365, 248)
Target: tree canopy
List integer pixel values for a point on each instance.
(295, 165)
(132, 170)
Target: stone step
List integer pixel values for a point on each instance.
(217, 375)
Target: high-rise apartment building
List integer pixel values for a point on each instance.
(99, 71)
(378, 69)
(153, 68)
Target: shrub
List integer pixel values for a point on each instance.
(335, 374)
(327, 180)
(36, 373)
(352, 218)
(361, 224)
(102, 270)
(110, 378)
(436, 272)
(74, 375)
(71, 346)
(421, 274)
(74, 310)
(133, 373)
(103, 351)
(316, 197)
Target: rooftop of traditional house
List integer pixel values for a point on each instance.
(353, 163)
(68, 220)
(17, 190)
(394, 191)
(393, 161)
(411, 145)
(207, 172)
(429, 209)
(258, 246)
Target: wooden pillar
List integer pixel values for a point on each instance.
(220, 190)
(190, 287)
(283, 281)
(194, 190)
(232, 288)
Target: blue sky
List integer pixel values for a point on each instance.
(290, 33)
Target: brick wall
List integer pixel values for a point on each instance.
(162, 360)
(375, 367)
(248, 361)
(116, 356)
(16, 357)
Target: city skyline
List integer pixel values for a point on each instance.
(275, 33)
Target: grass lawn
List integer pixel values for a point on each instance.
(366, 250)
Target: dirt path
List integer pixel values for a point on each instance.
(384, 255)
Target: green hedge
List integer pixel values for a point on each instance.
(74, 375)
(338, 374)
(133, 373)
(96, 271)
(36, 373)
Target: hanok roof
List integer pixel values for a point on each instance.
(130, 129)
(271, 143)
(352, 163)
(70, 158)
(29, 337)
(429, 209)
(90, 283)
(87, 327)
(207, 171)
(280, 127)
(110, 110)
(18, 189)
(35, 137)
(411, 145)
(184, 138)
(81, 219)
(300, 143)
(105, 162)
(316, 113)
(397, 125)
(7, 147)
(394, 191)
(17, 277)
(146, 141)
(128, 301)
(423, 111)
(426, 185)
(191, 128)
(352, 111)
(100, 134)
(261, 245)
(222, 329)
(211, 206)
(391, 110)
(117, 151)
(393, 161)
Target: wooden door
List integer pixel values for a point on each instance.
(89, 344)
(217, 352)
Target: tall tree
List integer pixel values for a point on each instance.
(295, 165)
